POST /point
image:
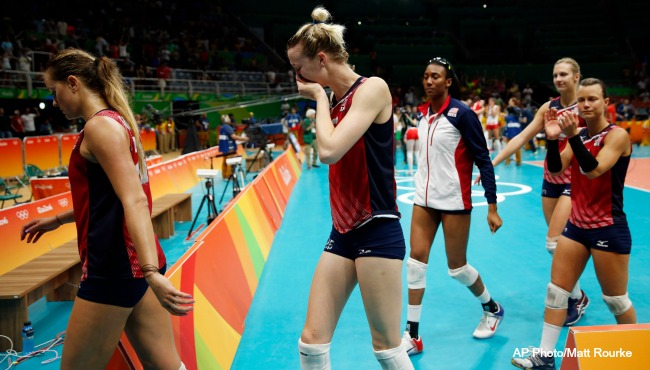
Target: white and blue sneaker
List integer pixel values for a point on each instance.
(489, 323)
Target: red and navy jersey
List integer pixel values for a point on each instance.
(452, 141)
(362, 182)
(598, 202)
(105, 246)
(565, 177)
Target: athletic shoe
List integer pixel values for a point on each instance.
(535, 362)
(412, 346)
(489, 323)
(576, 309)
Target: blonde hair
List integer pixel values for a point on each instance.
(103, 77)
(575, 67)
(321, 36)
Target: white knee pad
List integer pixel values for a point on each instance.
(465, 275)
(416, 274)
(182, 366)
(551, 244)
(314, 356)
(394, 359)
(618, 305)
(556, 297)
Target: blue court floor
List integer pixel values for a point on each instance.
(513, 263)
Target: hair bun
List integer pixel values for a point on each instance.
(320, 15)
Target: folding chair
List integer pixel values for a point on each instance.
(7, 194)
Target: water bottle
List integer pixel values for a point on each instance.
(28, 337)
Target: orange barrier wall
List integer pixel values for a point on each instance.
(11, 154)
(67, 143)
(48, 186)
(148, 138)
(15, 252)
(42, 151)
(607, 347)
(154, 159)
(222, 270)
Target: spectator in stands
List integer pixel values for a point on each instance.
(7, 59)
(527, 95)
(5, 125)
(29, 121)
(123, 288)
(101, 46)
(163, 73)
(45, 128)
(626, 110)
(17, 125)
(24, 61)
(366, 244)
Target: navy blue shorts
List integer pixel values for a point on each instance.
(124, 293)
(555, 190)
(380, 237)
(614, 238)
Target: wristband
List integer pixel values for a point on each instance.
(553, 159)
(584, 157)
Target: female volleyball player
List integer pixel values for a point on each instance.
(452, 142)
(556, 190)
(121, 257)
(366, 244)
(598, 157)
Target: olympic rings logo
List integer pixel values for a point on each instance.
(23, 215)
(63, 202)
(407, 184)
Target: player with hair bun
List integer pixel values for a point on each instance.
(366, 244)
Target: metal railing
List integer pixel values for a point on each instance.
(202, 82)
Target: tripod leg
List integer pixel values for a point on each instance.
(196, 216)
(224, 189)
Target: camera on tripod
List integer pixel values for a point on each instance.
(234, 161)
(256, 137)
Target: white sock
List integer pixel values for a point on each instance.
(409, 160)
(497, 145)
(414, 312)
(314, 356)
(394, 359)
(576, 293)
(484, 297)
(550, 336)
(490, 142)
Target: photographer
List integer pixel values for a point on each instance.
(227, 144)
